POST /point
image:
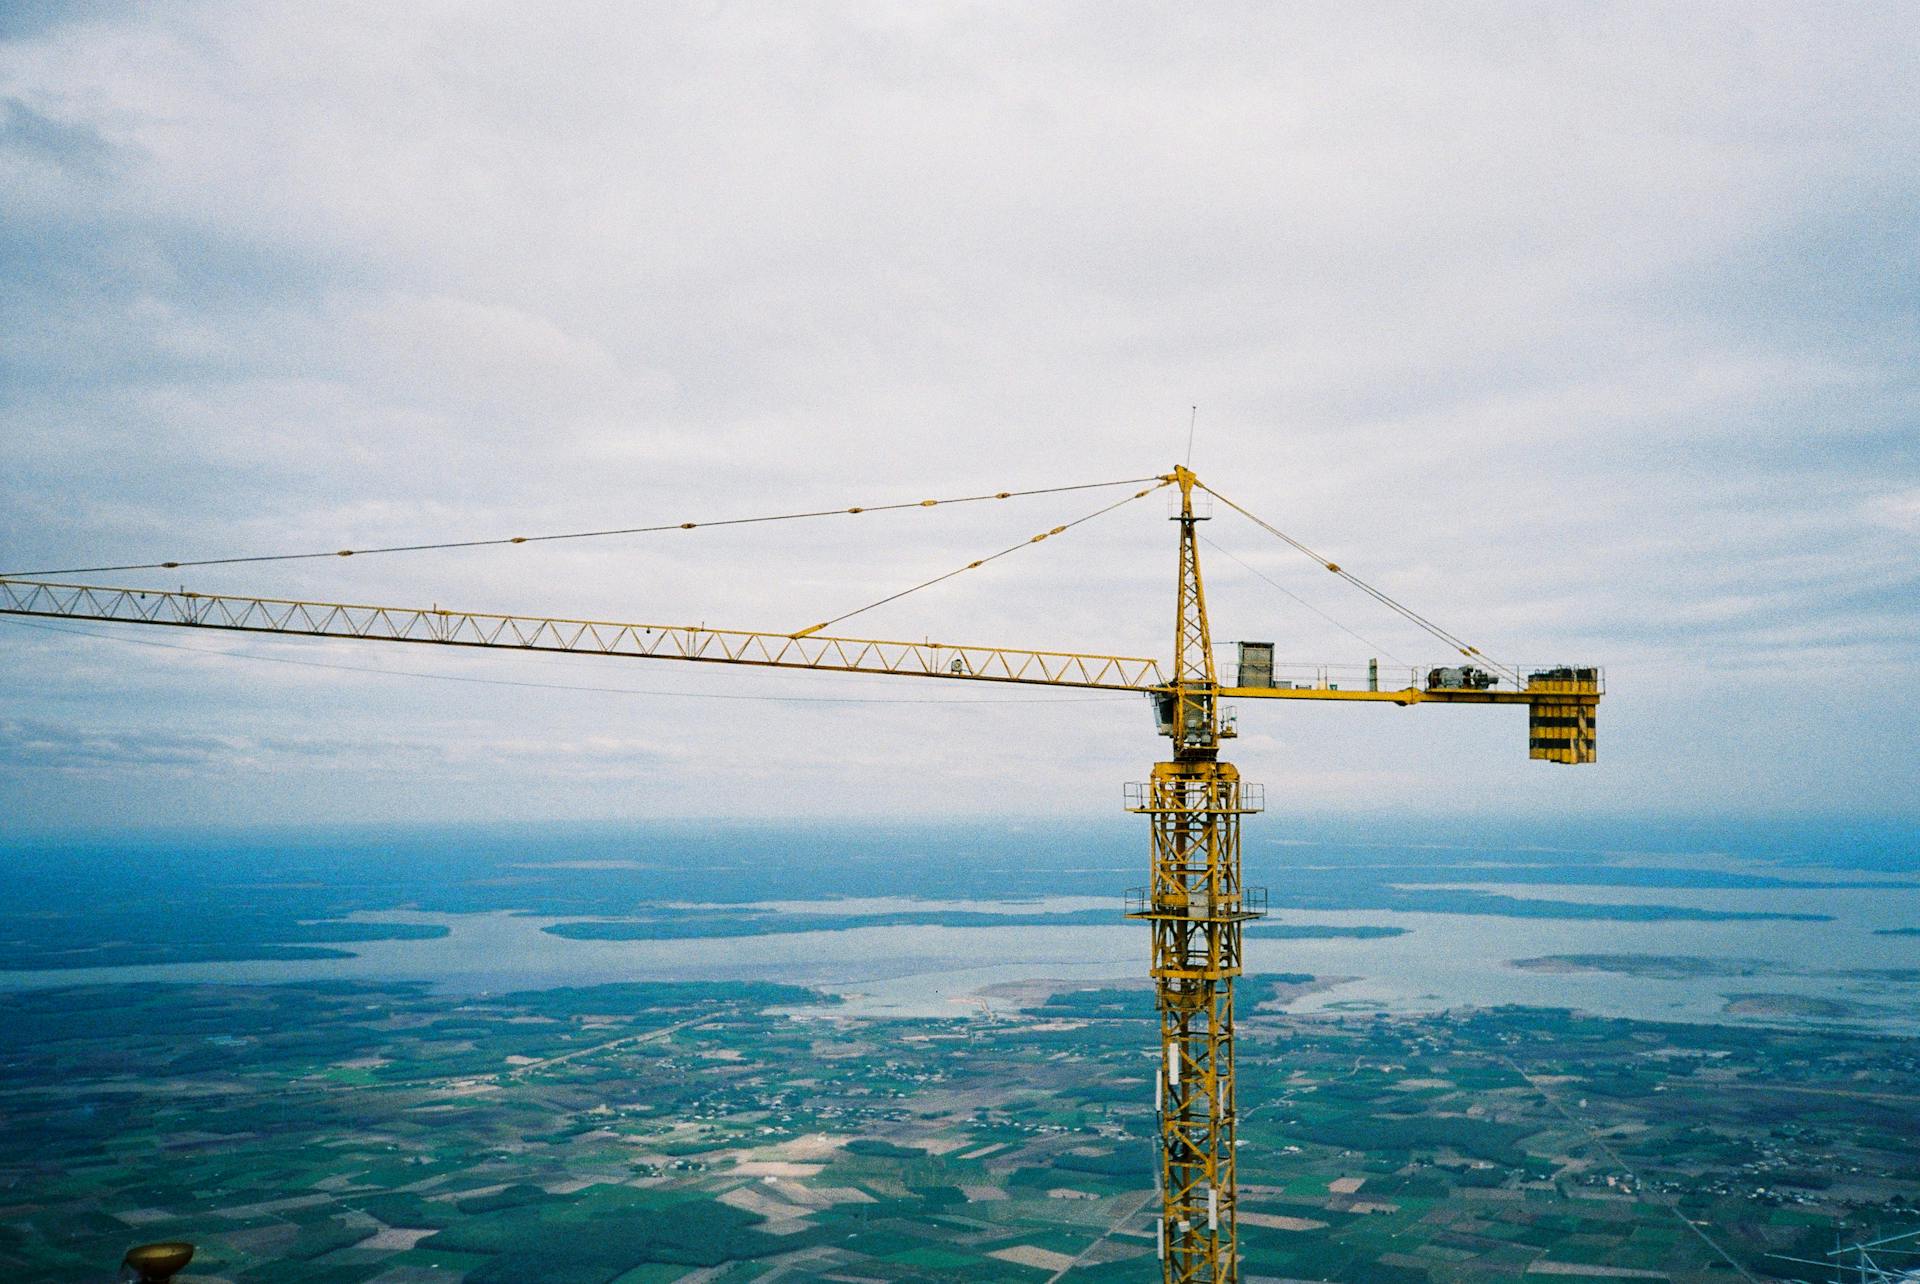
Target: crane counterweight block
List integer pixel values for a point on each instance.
(1562, 715)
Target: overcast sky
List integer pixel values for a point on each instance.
(1589, 331)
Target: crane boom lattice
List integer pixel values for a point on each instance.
(580, 637)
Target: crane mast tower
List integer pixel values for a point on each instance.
(1195, 905)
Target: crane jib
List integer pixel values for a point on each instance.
(435, 625)
(1563, 710)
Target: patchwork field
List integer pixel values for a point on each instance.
(651, 1133)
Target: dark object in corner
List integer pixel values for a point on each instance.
(155, 1263)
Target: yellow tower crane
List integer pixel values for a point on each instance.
(1194, 902)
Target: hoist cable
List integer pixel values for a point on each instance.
(993, 557)
(597, 534)
(560, 686)
(1276, 584)
(1457, 643)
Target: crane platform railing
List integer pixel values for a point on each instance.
(1250, 903)
(1513, 684)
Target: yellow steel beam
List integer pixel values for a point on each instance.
(1406, 695)
(435, 626)
(1196, 906)
(240, 613)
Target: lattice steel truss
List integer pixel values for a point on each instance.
(1196, 905)
(590, 637)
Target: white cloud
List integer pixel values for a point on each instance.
(1586, 331)
(1899, 510)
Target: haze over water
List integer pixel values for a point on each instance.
(904, 920)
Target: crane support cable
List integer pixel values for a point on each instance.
(565, 535)
(979, 562)
(1453, 640)
(1277, 585)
